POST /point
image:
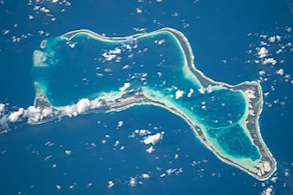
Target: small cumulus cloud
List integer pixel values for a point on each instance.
(269, 61)
(125, 86)
(132, 182)
(153, 139)
(179, 94)
(15, 116)
(268, 191)
(262, 52)
(150, 150)
(2, 108)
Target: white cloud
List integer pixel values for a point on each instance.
(3, 122)
(262, 72)
(15, 116)
(138, 10)
(209, 89)
(36, 114)
(269, 61)
(274, 179)
(145, 176)
(58, 187)
(159, 42)
(268, 191)
(72, 45)
(70, 111)
(120, 123)
(142, 132)
(115, 51)
(201, 90)
(110, 184)
(190, 93)
(287, 172)
(272, 39)
(280, 72)
(179, 94)
(68, 152)
(96, 103)
(111, 54)
(46, 112)
(278, 37)
(2, 108)
(132, 182)
(109, 57)
(262, 52)
(153, 139)
(150, 150)
(279, 51)
(170, 171)
(83, 105)
(125, 86)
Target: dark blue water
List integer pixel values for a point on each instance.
(91, 161)
(217, 31)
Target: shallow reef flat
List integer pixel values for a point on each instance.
(82, 71)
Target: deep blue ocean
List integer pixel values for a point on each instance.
(80, 155)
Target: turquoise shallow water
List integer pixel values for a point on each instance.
(234, 141)
(85, 67)
(74, 72)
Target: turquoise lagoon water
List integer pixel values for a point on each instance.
(76, 69)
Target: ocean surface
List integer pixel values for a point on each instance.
(100, 154)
